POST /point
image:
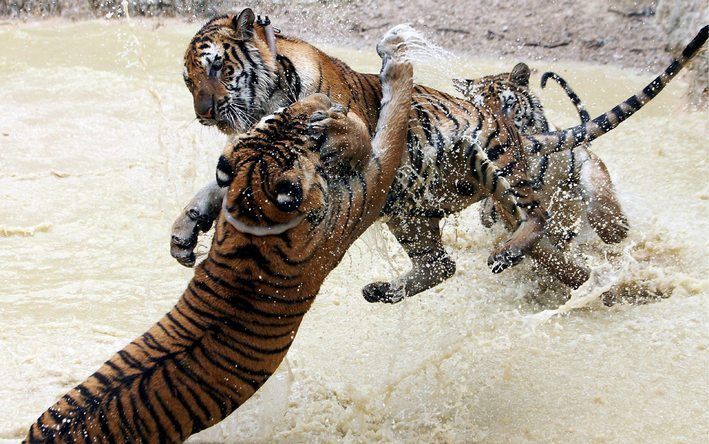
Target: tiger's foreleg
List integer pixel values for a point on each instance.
(196, 217)
(531, 237)
(520, 210)
(421, 239)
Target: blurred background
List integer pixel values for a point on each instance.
(629, 33)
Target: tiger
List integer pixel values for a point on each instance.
(571, 184)
(238, 71)
(457, 152)
(289, 213)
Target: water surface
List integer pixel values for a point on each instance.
(99, 151)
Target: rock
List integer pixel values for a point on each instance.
(681, 20)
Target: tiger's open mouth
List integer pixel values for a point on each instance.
(255, 230)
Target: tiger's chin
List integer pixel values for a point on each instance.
(228, 129)
(226, 126)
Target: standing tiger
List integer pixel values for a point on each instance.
(288, 218)
(570, 183)
(457, 152)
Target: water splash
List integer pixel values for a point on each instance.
(431, 62)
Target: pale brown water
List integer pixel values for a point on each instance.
(99, 151)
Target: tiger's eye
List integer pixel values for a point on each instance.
(215, 68)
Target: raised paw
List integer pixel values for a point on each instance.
(383, 292)
(329, 121)
(185, 232)
(394, 41)
(504, 259)
(196, 217)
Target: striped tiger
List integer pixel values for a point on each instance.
(287, 221)
(457, 152)
(571, 184)
(238, 70)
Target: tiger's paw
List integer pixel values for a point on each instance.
(329, 122)
(196, 217)
(393, 42)
(383, 292)
(488, 213)
(504, 259)
(185, 232)
(392, 50)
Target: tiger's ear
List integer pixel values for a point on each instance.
(520, 74)
(243, 24)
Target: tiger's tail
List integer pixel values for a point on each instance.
(555, 141)
(575, 99)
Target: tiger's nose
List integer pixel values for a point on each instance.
(204, 106)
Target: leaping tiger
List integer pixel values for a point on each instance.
(289, 214)
(457, 152)
(571, 184)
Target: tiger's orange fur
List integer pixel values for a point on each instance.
(240, 313)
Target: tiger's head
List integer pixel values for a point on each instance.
(231, 71)
(509, 94)
(275, 175)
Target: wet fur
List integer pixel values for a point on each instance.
(239, 315)
(475, 154)
(572, 184)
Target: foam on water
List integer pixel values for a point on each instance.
(106, 157)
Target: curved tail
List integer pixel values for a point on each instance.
(580, 107)
(551, 142)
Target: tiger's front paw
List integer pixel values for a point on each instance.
(328, 123)
(393, 44)
(185, 232)
(383, 292)
(196, 217)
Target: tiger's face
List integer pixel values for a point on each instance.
(275, 176)
(508, 94)
(230, 72)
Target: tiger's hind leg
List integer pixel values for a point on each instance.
(421, 239)
(603, 210)
(488, 213)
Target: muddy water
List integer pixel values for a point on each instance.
(99, 150)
